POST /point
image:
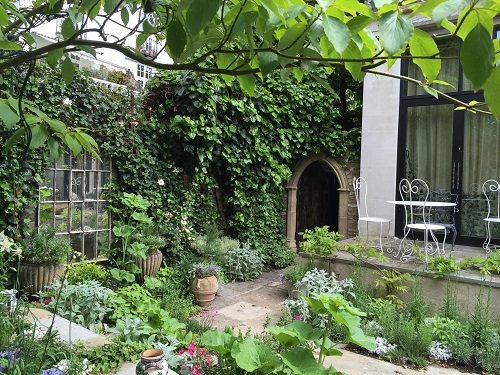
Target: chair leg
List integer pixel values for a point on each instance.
(486, 244)
(454, 230)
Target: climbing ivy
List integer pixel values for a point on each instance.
(248, 145)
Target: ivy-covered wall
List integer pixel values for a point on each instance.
(244, 147)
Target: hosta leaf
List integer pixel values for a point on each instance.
(422, 44)
(477, 56)
(395, 31)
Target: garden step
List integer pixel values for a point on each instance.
(67, 330)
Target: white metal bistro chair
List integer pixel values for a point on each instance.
(361, 191)
(491, 190)
(415, 194)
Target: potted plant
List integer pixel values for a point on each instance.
(131, 237)
(151, 262)
(44, 255)
(204, 283)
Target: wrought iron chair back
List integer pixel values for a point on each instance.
(491, 190)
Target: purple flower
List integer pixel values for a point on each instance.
(52, 371)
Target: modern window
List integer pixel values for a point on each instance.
(71, 200)
(453, 150)
(144, 71)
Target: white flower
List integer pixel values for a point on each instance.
(382, 346)
(67, 101)
(161, 182)
(439, 351)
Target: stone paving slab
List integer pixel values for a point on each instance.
(68, 331)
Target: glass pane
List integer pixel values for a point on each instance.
(64, 162)
(429, 145)
(62, 179)
(90, 163)
(47, 188)
(481, 162)
(105, 165)
(91, 181)
(102, 217)
(103, 243)
(47, 214)
(90, 216)
(62, 217)
(76, 217)
(77, 186)
(77, 162)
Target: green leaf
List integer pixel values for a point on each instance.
(4, 17)
(68, 28)
(422, 44)
(325, 4)
(492, 92)
(8, 45)
(72, 143)
(221, 342)
(110, 5)
(39, 135)
(200, 14)
(68, 70)
(247, 83)
(268, 61)
(354, 8)
(124, 14)
(337, 33)
(251, 356)
(271, 5)
(477, 56)
(302, 362)
(54, 148)
(431, 91)
(53, 57)
(447, 8)
(12, 140)
(352, 52)
(358, 337)
(90, 50)
(7, 114)
(395, 31)
(141, 38)
(176, 38)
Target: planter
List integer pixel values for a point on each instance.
(35, 277)
(152, 362)
(150, 265)
(204, 289)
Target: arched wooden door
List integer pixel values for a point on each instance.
(317, 198)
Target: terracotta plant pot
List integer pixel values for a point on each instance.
(150, 265)
(204, 289)
(35, 277)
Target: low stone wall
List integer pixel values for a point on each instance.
(467, 286)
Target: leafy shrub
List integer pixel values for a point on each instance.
(316, 282)
(319, 241)
(85, 303)
(295, 273)
(243, 264)
(282, 257)
(212, 246)
(43, 246)
(86, 271)
(446, 330)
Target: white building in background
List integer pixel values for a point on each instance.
(108, 60)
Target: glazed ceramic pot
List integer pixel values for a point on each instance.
(152, 362)
(204, 289)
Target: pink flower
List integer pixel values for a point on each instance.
(192, 348)
(298, 317)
